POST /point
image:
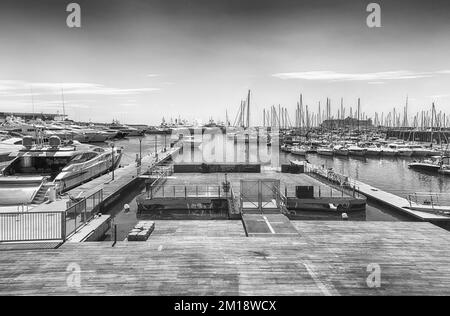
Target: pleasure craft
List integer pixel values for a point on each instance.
(402, 150)
(373, 151)
(388, 151)
(286, 148)
(340, 150)
(357, 151)
(92, 135)
(63, 166)
(325, 151)
(131, 131)
(431, 164)
(7, 146)
(299, 151)
(419, 151)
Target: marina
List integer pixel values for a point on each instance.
(213, 150)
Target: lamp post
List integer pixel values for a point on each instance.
(112, 160)
(140, 150)
(165, 142)
(156, 147)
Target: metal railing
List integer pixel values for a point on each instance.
(32, 226)
(185, 191)
(78, 214)
(341, 183)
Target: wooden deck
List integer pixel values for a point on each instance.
(327, 258)
(268, 225)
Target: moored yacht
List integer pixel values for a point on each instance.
(402, 150)
(299, 151)
(430, 164)
(357, 151)
(340, 150)
(63, 166)
(373, 151)
(131, 131)
(325, 151)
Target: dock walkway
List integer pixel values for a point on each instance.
(396, 202)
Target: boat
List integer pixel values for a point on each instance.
(325, 151)
(340, 150)
(62, 166)
(402, 150)
(357, 151)
(130, 131)
(419, 150)
(299, 151)
(8, 145)
(373, 151)
(286, 148)
(390, 152)
(92, 135)
(431, 164)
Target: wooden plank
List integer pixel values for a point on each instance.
(329, 258)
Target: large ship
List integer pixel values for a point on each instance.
(36, 168)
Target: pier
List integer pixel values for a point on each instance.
(377, 195)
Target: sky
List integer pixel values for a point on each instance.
(139, 61)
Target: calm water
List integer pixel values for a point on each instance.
(389, 174)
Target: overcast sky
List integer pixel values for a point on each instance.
(138, 61)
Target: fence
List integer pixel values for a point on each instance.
(185, 191)
(339, 182)
(32, 226)
(48, 225)
(81, 212)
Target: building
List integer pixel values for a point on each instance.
(30, 116)
(347, 123)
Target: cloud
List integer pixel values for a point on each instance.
(152, 75)
(19, 88)
(371, 76)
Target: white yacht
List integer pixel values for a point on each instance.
(7, 146)
(340, 150)
(130, 131)
(373, 151)
(299, 150)
(325, 151)
(357, 151)
(401, 149)
(35, 168)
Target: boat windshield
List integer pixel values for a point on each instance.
(82, 157)
(26, 165)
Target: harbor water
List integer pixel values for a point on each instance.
(388, 174)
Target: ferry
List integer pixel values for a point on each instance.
(63, 166)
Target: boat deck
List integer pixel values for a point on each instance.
(326, 258)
